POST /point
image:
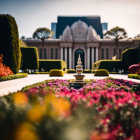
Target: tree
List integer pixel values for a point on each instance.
(42, 34)
(136, 40)
(116, 34)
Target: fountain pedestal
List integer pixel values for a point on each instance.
(78, 83)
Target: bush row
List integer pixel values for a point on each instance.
(101, 72)
(135, 76)
(15, 76)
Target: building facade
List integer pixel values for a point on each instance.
(80, 38)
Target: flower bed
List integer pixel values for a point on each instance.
(106, 109)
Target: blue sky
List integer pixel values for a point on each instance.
(31, 14)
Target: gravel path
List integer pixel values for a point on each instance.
(13, 85)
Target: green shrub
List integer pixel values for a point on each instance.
(56, 72)
(15, 76)
(9, 42)
(135, 76)
(47, 65)
(130, 57)
(88, 71)
(71, 71)
(30, 59)
(109, 65)
(101, 72)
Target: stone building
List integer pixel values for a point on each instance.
(80, 38)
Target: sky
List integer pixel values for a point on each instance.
(32, 14)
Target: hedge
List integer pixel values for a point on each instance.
(130, 57)
(15, 76)
(56, 72)
(135, 76)
(9, 42)
(30, 59)
(101, 72)
(48, 64)
(109, 65)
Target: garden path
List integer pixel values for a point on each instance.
(14, 85)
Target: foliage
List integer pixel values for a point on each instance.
(14, 76)
(9, 41)
(56, 72)
(88, 71)
(116, 33)
(103, 109)
(42, 33)
(110, 65)
(130, 57)
(4, 70)
(135, 76)
(101, 72)
(48, 64)
(71, 71)
(30, 59)
(22, 44)
(133, 69)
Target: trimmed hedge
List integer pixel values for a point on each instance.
(15, 76)
(109, 65)
(130, 57)
(101, 72)
(30, 59)
(88, 71)
(9, 42)
(49, 64)
(71, 71)
(55, 72)
(135, 76)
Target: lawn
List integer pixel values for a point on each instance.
(107, 109)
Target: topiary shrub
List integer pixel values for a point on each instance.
(110, 65)
(101, 72)
(30, 59)
(133, 69)
(56, 72)
(49, 64)
(9, 42)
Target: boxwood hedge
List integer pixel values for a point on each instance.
(49, 64)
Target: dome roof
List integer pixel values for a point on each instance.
(79, 30)
(67, 36)
(92, 35)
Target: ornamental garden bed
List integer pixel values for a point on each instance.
(107, 109)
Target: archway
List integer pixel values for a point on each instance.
(82, 55)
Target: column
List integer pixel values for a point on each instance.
(88, 58)
(96, 54)
(92, 55)
(70, 58)
(61, 53)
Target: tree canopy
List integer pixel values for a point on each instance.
(42, 33)
(116, 34)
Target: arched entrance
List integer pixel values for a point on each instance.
(82, 55)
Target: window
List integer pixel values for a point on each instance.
(102, 53)
(63, 53)
(68, 58)
(56, 53)
(114, 52)
(94, 54)
(51, 53)
(107, 53)
(120, 53)
(40, 53)
(90, 58)
(45, 56)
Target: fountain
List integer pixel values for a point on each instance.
(78, 83)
